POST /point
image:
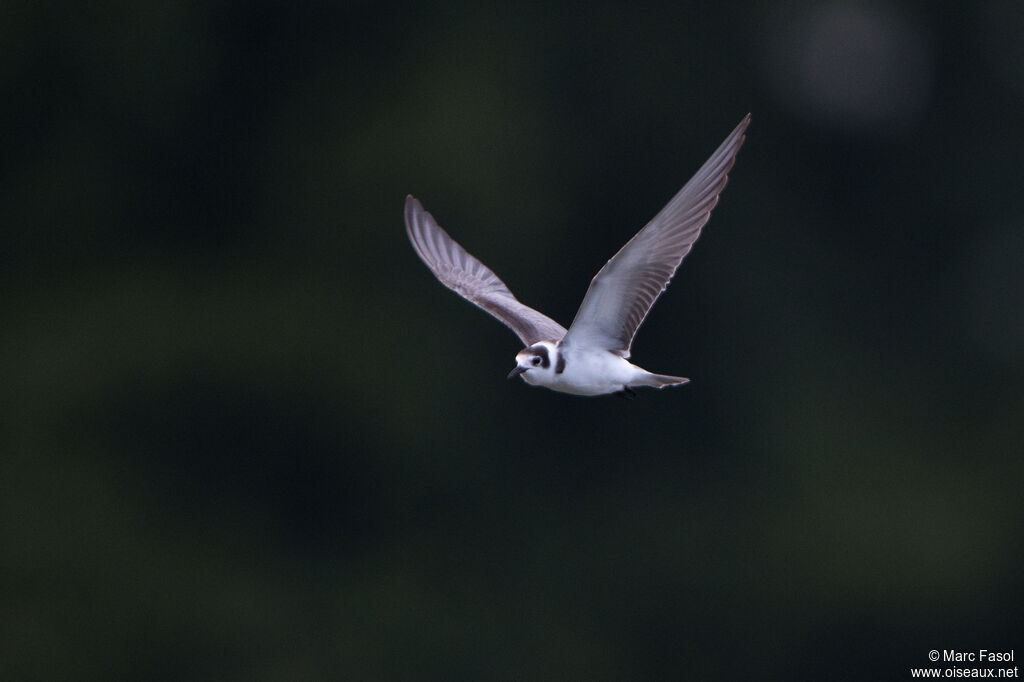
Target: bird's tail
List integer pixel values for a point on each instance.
(660, 380)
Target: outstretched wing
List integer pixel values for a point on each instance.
(471, 279)
(622, 293)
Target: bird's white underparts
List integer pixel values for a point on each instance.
(591, 357)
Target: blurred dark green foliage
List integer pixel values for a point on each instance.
(247, 435)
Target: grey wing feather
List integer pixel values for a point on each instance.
(471, 279)
(622, 293)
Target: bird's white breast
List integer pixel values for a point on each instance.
(587, 372)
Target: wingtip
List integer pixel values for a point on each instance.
(413, 215)
(742, 126)
(738, 135)
(413, 207)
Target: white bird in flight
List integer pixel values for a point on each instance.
(590, 358)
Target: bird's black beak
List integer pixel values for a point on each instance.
(517, 371)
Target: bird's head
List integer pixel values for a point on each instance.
(535, 360)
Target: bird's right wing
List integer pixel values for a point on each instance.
(471, 279)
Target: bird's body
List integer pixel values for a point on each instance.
(591, 357)
(585, 371)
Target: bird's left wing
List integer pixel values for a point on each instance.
(622, 293)
(468, 277)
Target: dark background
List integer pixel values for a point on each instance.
(247, 436)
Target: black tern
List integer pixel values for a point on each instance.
(590, 358)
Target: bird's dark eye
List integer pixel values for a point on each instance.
(535, 360)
